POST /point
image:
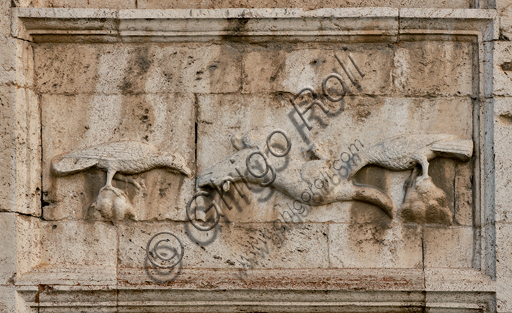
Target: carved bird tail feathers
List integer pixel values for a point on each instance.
(70, 164)
(459, 149)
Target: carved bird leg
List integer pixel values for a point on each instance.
(108, 185)
(126, 179)
(424, 170)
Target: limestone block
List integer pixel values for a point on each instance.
(448, 247)
(275, 68)
(503, 159)
(5, 18)
(7, 60)
(504, 8)
(24, 64)
(433, 68)
(7, 150)
(72, 244)
(228, 246)
(8, 248)
(463, 188)
(112, 4)
(28, 152)
(154, 4)
(502, 68)
(7, 299)
(135, 69)
(164, 121)
(504, 266)
(375, 245)
(28, 242)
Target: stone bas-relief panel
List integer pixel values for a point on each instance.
(389, 127)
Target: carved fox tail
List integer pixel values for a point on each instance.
(374, 196)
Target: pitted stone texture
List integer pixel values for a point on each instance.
(448, 247)
(375, 245)
(8, 248)
(504, 266)
(7, 299)
(275, 68)
(7, 151)
(166, 121)
(227, 246)
(111, 4)
(503, 158)
(154, 4)
(71, 244)
(502, 69)
(433, 68)
(135, 69)
(7, 60)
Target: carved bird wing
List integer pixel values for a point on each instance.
(80, 160)
(121, 150)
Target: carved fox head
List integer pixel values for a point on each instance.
(231, 169)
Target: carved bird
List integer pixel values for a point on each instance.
(406, 151)
(126, 157)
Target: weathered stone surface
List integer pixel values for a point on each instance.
(101, 92)
(433, 75)
(502, 68)
(7, 151)
(7, 60)
(374, 245)
(503, 135)
(153, 4)
(504, 266)
(112, 4)
(8, 248)
(448, 247)
(166, 121)
(228, 246)
(7, 299)
(275, 69)
(70, 244)
(135, 69)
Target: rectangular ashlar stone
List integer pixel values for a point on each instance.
(375, 245)
(228, 246)
(427, 68)
(502, 68)
(8, 148)
(77, 244)
(448, 247)
(290, 68)
(71, 123)
(503, 159)
(135, 68)
(8, 248)
(504, 266)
